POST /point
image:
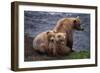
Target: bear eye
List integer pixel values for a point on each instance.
(61, 40)
(59, 36)
(74, 21)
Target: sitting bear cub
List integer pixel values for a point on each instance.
(42, 40)
(61, 48)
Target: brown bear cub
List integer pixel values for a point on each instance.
(61, 48)
(42, 42)
(51, 43)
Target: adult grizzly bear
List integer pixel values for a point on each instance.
(67, 25)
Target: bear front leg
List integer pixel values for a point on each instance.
(70, 43)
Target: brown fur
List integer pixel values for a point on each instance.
(51, 44)
(65, 24)
(61, 48)
(41, 41)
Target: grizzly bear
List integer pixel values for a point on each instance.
(44, 42)
(61, 48)
(51, 43)
(67, 25)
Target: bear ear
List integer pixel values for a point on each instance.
(47, 32)
(77, 17)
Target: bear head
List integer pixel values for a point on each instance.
(51, 36)
(60, 38)
(77, 24)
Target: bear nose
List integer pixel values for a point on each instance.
(52, 40)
